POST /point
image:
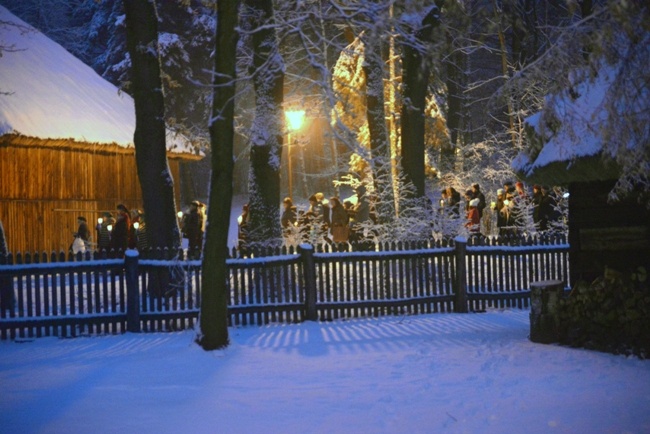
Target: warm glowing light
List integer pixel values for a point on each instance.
(109, 227)
(180, 214)
(295, 119)
(136, 226)
(100, 220)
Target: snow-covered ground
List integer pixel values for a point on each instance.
(440, 373)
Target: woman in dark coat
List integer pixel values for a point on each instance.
(120, 232)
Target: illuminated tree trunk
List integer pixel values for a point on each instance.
(155, 176)
(415, 79)
(214, 272)
(379, 141)
(266, 135)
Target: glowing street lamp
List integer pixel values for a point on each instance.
(295, 119)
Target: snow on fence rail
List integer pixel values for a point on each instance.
(161, 292)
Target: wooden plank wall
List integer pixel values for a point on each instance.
(601, 234)
(42, 191)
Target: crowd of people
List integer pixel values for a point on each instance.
(513, 207)
(328, 220)
(514, 210)
(334, 220)
(127, 229)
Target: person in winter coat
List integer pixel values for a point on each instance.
(316, 219)
(360, 214)
(473, 217)
(135, 218)
(242, 230)
(325, 207)
(478, 194)
(453, 201)
(193, 230)
(120, 232)
(141, 236)
(103, 234)
(339, 221)
(548, 213)
(82, 229)
(289, 214)
(499, 206)
(81, 237)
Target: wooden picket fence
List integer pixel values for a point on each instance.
(63, 295)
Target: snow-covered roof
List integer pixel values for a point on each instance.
(581, 118)
(49, 94)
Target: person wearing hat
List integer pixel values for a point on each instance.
(478, 194)
(473, 217)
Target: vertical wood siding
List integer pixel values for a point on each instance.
(43, 190)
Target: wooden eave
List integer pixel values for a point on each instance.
(581, 169)
(19, 140)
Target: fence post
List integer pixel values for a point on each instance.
(309, 272)
(460, 293)
(132, 291)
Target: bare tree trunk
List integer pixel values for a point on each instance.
(415, 77)
(155, 176)
(214, 272)
(266, 136)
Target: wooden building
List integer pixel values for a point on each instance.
(66, 143)
(602, 234)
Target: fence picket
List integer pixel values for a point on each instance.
(90, 297)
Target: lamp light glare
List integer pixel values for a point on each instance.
(295, 118)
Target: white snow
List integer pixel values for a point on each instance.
(581, 118)
(439, 373)
(54, 95)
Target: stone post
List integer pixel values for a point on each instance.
(544, 311)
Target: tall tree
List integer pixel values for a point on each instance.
(376, 117)
(415, 78)
(266, 135)
(155, 176)
(214, 273)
